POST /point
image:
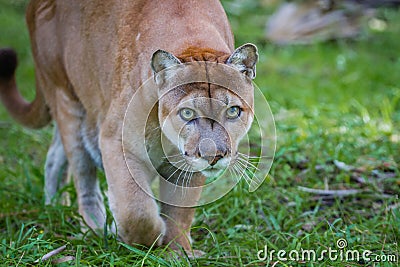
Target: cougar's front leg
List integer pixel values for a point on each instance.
(135, 212)
(179, 218)
(70, 116)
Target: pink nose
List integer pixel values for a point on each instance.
(208, 151)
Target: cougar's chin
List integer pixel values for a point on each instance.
(217, 169)
(212, 172)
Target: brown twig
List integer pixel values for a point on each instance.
(337, 193)
(51, 254)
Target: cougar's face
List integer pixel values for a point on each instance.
(205, 123)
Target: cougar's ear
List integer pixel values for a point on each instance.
(160, 61)
(244, 58)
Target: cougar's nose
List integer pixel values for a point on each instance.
(208, 151)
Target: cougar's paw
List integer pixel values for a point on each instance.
(180, 253)
(194, 254)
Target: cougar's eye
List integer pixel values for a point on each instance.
(187, 114)
(233, 112)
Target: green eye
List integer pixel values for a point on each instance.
(233, 112)
(187, 114)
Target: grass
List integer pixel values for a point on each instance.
(334, 103)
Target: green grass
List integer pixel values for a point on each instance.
(333, 102)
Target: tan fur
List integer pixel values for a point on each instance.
(90, 56)
(194, 53)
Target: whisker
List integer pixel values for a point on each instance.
(172, 156)
(175, 170)
(190, 175)
(248, 157)
(184, 180)
(170, 168)
(244, 178)
(175, 165)
(247, 178)
(255, 157)
(182, 185)
(155, 129)
(244, 165)
(187, 177)
(243, 173)
(234, 174)
(176, 162)
(246, 174)
(246, 162)
(179, 177)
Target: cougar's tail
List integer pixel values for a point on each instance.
(34, 114)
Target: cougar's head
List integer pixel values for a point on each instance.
(205, 107)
